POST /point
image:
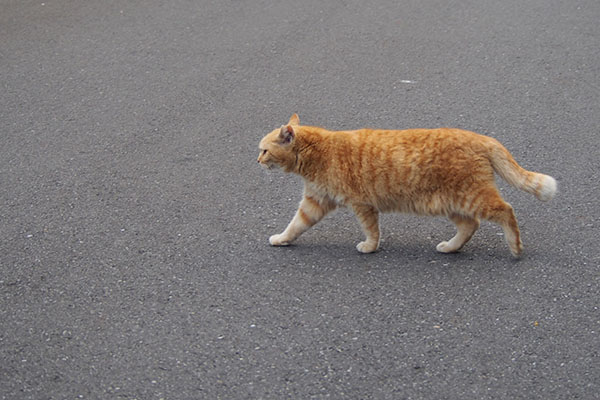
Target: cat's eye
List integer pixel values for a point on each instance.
(263, 152)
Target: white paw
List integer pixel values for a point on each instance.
(277, 240)
(444, 248)
(366, 247)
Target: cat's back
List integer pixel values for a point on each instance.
(384, 144)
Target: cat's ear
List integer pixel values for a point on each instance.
(286, 134)
(294, 120)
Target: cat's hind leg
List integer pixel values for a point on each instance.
(368, 217)
(465, 228)
(310, 211)
(504, 215)
(488, 204)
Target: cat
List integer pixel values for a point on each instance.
(446, 172)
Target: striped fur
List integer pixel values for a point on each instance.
(448, 172)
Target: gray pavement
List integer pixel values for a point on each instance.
(134, 261)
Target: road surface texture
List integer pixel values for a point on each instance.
(134, 219)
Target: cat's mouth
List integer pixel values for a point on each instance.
(267, 166)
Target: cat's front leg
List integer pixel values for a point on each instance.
(368, 217)
(310, 211)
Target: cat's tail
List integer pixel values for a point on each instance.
(540, 185)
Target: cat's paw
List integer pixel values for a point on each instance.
(366, 247)
(516, 249)
(444, 247)
(278, 240)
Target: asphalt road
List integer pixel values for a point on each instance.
(134, 261)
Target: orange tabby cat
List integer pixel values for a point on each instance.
(446, 172)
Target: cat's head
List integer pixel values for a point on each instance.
(277, 148)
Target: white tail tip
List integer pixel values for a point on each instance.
(548, 189)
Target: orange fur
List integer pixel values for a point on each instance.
(447, 172)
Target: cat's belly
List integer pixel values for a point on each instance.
(420, 203)
(434, 204)
(320, 191)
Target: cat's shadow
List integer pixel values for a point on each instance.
(394, 255)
